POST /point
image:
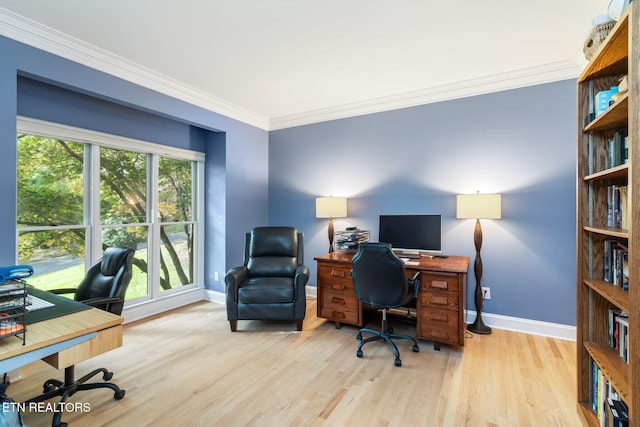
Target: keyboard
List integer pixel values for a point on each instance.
(34, 303)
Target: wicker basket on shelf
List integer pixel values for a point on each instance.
(597, 35)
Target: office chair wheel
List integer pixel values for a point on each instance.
(398, 362)
(359, 353)
(47, 388)
(416, 349)
(119, 394)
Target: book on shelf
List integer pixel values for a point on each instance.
(619, 332)
(617, 206)
(606, 403)
(618, 149)
(617, 414)
(616, 263)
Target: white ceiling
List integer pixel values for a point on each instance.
(280, 63)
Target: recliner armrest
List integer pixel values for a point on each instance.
(301, 279)
(233, 278)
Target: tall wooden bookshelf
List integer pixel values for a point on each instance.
(617, 56)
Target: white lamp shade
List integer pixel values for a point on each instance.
(331, 207)
(479, 206)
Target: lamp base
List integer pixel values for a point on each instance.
(478, 327)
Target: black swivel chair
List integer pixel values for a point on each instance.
(380, 280)
(270, 285)
(103, 287)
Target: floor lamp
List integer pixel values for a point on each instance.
(331, 207)
(478, 206)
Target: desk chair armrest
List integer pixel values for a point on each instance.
(94, 302)
(63, 291)
(414, 281)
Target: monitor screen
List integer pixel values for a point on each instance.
(415, 232)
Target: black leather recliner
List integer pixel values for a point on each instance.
(380, 279)
(270, 285)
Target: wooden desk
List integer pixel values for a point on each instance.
(90, 332)
(440, 306)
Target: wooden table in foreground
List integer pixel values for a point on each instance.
(440, 305)
(64, 341)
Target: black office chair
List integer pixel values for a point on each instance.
(103, 287)
(380, 279)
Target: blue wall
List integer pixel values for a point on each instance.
(40, 85)
(520, 143)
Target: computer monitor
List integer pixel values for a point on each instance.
(411, 234)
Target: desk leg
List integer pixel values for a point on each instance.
(338, 325)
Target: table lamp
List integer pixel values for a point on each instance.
(485, 206)
(331, 207)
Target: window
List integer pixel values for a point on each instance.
(80, 192)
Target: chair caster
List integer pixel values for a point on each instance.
(359, 353)
(119, 394)
(416, 349)
(398, 362)
(359, 336)
(47, 388)
(107, 376)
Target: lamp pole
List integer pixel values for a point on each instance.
(478, 325)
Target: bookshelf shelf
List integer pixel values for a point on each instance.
(618, 172)
(609, 231)
(611, 293)
(612, 365)
(614, 117)
(605, 308)
(612, 56)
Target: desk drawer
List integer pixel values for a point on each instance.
(340, 306)
(439, 300)
(105, 340)
(334, 277)
(443, 282)
(439, 325)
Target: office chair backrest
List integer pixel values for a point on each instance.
(379, 276)
(109, 277)
(273, 251)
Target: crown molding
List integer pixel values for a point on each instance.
(547, 73)
(34, 34)
(37, 35)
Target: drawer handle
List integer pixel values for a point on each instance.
(338, 273)
(338, 287)
(338, 314)
(337, 300)
(439, 317)
(439, 300)
(439, 284)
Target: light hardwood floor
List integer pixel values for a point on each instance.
(185, 368)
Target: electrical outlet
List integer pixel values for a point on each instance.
(215, 276)
(486, 293)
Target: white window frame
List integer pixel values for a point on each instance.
(92, 212)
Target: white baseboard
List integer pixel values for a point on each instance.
(527, 326)
(497, 321)
(158, 306)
